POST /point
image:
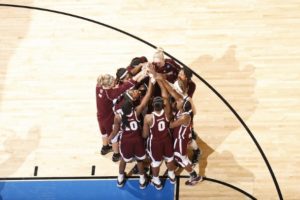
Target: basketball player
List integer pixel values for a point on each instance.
(186, 87)
(122, 75)
(105, 93)
(167, 67)
(181, 131)
(136, 64)
(131, 142)
(159, 142)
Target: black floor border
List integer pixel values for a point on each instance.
(115, 177)
(198, 76)
(177, 187)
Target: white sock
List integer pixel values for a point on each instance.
(120, 177)
(142, 179)
(171, 174)
(194, 145)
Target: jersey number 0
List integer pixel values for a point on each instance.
(161, 125)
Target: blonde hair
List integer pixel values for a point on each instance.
(159, 53)
(105, 80)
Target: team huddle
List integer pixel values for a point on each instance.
(146, 112)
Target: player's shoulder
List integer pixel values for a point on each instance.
(148, 116)
(171, 64)
(170, 61)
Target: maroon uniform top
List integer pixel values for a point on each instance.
(181, 132)
(160, 126)
(170, 69)
(118, 103)
(105, 97)
(134, 129)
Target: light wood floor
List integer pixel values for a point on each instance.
(248, 50)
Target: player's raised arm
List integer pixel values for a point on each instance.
(139, 109)
(165, 96)
(181, 121)
(140, 76)
(171, 90)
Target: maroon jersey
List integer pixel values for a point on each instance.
(131, 143)
(170, 69)
(181, 138)
(159, 128)
(118, 103)
(159, 142)
(105, 97)
(181, 132)
(134, 129)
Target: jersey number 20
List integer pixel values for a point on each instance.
(133, 126)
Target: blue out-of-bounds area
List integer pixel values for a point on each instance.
(80, 189)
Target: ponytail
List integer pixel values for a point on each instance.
(126, 110)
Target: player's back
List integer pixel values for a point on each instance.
(133, 129)
(160, 126)
(104, 105)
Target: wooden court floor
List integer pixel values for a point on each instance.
(249, 51)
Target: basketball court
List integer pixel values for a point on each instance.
(245, 56)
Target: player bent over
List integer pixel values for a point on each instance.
(106, 92)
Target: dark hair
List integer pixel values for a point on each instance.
(120, 73)
(158, 103)
(171, 99)
(187, 106)
(188, 73)
(138, 60)
(126, 110)
(143, 89)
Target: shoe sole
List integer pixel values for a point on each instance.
(122, 184)
(172, 181)
(194, 182)
(156, 187)
(144, 186)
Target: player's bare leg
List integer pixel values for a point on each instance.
(116, 156)
(142, 181)
(121, 176)
(105, 146)
(155, 179)
(171, 168)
